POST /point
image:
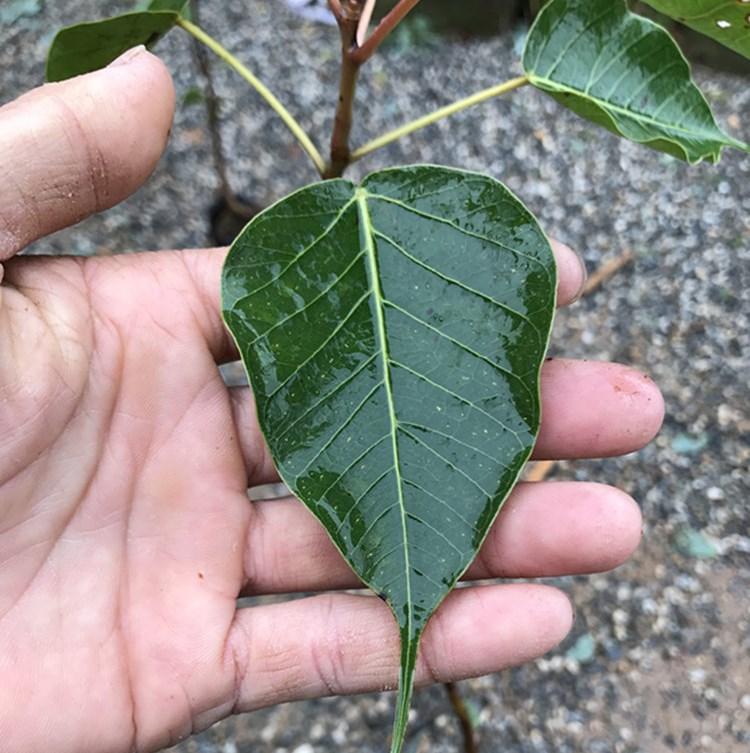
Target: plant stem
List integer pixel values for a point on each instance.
(261, 88)
(462, 713)
(212, 114)
(383, 29)
(351, 14)
(335, 6)
(342, 125)
(433, 117)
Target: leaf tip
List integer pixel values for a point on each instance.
(409, 647)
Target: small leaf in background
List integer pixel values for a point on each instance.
(688, 444)
(726, 22)
(16, 9)
(89, 46)
(178, 6)
(622, 72)
(393, 334)
(583, 650)
(692, 543)
(193, 96)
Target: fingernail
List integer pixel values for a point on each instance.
(128, 56)
(584, 278)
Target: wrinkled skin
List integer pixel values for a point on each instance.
(126, 533)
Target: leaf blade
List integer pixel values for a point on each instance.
(624, 73)
(178, 6)
(726, 22)
(358, 327)
(87, 47)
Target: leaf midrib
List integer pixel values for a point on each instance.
(368, 232)
(560, 87)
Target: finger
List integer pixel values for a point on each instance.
(341, 644)
(545, 529)
(571, 273)
(80, 146)
(592, 409)
(589, 409)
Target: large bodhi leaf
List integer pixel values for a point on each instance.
(393, 334)
(87, 47)
(727, 21)
(622, 72)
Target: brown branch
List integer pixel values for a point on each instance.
(351, 15)
(342, 124)
(383, 29)
(462, 714)
(606, 271)
(335, 7)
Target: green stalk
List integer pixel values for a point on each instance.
(261, 88)
(433, 117)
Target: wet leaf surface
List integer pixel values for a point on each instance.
(726, 22)
(624, 73)
(393, 334)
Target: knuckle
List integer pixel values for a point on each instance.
(328, 649)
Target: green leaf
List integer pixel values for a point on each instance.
(622, 72)
(193, 96)
(87, 47)
(393, 334)
(726, 21)
(178, 6)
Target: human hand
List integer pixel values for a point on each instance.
(126, 534)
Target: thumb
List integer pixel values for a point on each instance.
(77, 147)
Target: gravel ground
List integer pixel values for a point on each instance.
(659, 658)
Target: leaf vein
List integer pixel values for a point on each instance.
(450, 463)
(338, 431)
(359, 499)
(458, 397)
(458, 283)
(299, 255)
(464, 231)
(471, 526)
(321, 347)
(462, 345)
(327, 396)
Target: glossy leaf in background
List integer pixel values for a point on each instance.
(622, 72)
(89, 46)
(393, 334)
(178, 6)
(725, 21)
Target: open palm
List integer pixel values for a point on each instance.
(126, 533)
